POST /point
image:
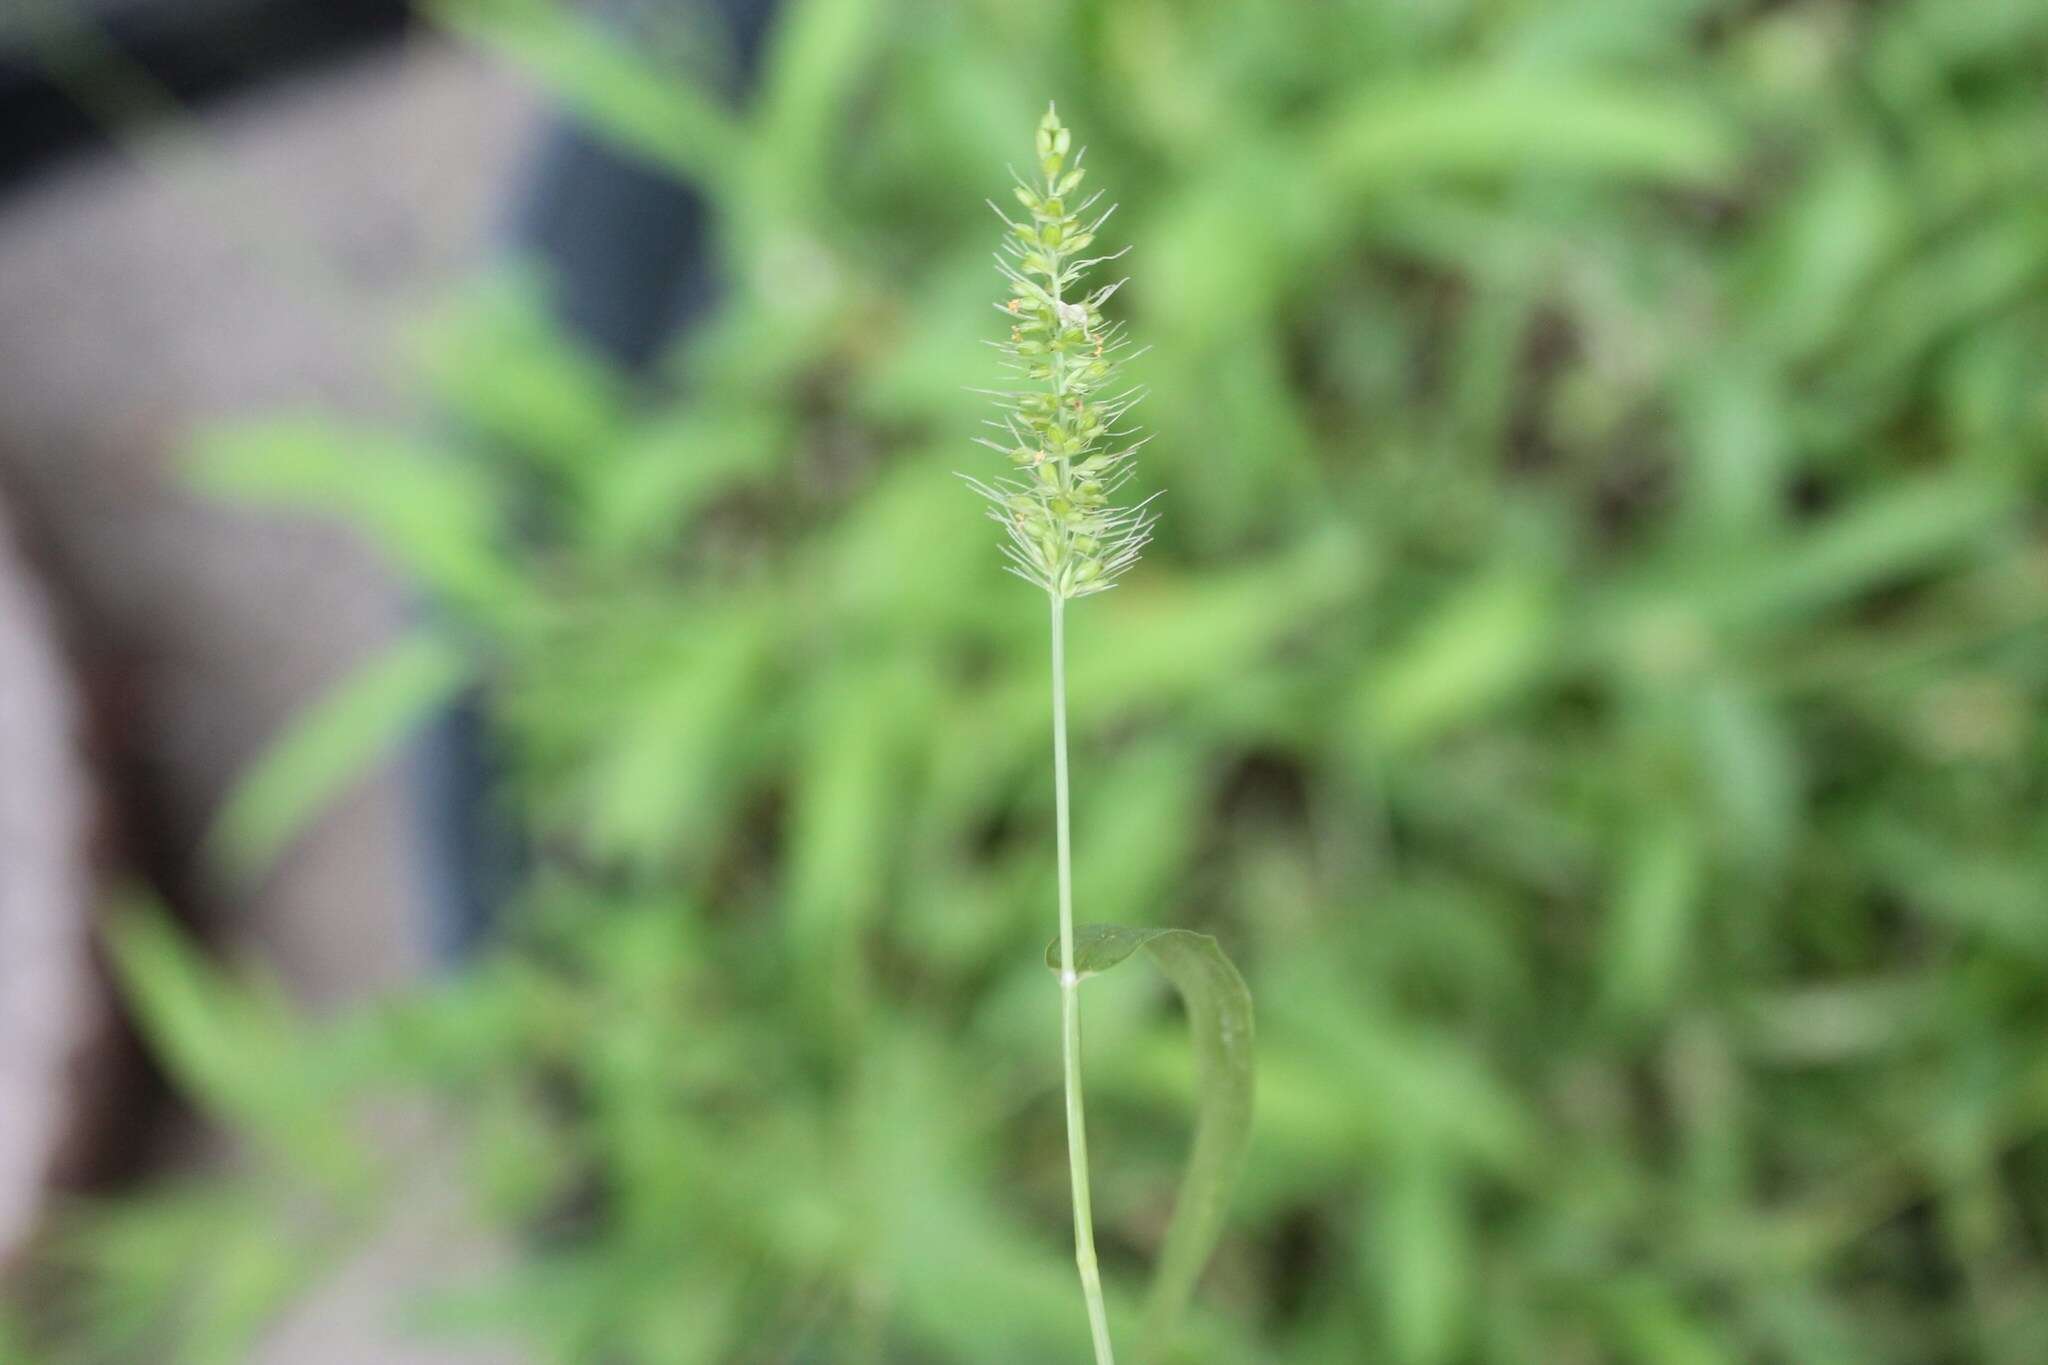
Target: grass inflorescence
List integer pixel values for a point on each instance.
(1063, 426)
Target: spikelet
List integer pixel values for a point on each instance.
(1062, 426)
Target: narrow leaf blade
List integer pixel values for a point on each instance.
(1222, 1028)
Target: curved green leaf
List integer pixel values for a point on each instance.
(330, 744)
(1219, 1007)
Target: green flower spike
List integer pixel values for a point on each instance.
(1064, 437)
(1067, 535)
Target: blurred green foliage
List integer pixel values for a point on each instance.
(1590, 675)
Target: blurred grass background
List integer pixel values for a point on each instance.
(1589, 675)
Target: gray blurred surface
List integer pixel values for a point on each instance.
(263, 257)
(54, 1019)
(265, 263)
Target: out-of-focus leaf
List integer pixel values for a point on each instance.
(1751, 771)
(1148, 643)
(328, 746)
(656, 788)
(1990, 893)
(498, 365)
(1662, 1330)
(847, 808)
(1911, 527)
(669, 472)
(1424, 1256)
(657, 114)
(1220, 1025)
(1143, 809)
(435, 516)
(234, 1046)
(1742, 435)
(824, 48)
(920, 1183)
(1482, 647)
(187, 1275)
(1651, 923)
(1518, 123)
(1823, 247)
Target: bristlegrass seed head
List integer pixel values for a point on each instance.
(1062, 426)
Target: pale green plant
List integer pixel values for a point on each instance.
(1065, 533)
(1063, 432)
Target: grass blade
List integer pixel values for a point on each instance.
(1220, 1023)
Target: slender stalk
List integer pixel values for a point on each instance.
(1070, 1005)
(1061, 428)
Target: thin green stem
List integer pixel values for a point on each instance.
(1070, 1005)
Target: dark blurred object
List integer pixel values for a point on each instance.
(190, 50)
(624, 241)
(625, 248)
